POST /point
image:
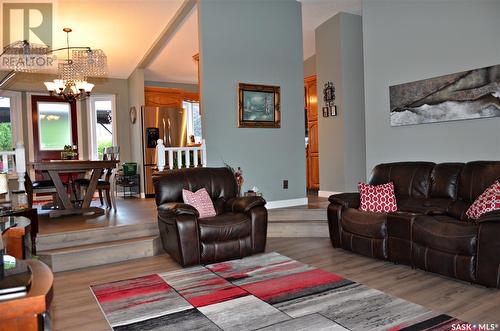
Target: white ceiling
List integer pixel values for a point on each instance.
(175, 63)
(316, 12)
(124, 29)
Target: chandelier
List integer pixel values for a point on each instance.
(74, 71)
(19, 57)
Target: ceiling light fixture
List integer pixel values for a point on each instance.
(74, 71)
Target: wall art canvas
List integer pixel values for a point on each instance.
(464, 95)
(259, 106)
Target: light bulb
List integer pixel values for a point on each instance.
(51, 86)
(80, 85)
(60, 84)
(89, 87)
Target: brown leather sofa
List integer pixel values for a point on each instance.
(239, 228)
(430, 229)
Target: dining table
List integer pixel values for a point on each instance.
(54, 168)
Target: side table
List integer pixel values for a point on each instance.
(32, 215)
(129, 184)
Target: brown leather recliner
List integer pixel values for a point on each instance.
(430, 229)
(239, 229)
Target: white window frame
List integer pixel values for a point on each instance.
(92, 122)
(16, 115)
(189, 118)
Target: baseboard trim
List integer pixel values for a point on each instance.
(326, 194)
(286, 203)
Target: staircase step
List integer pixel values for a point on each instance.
(82, 256)
(298, 229)
(51, 241)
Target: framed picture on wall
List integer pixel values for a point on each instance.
(326, 111)
(258, 106)
(333, 110)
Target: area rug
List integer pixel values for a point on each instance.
(261, 292)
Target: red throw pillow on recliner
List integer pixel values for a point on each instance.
(201, 201)
(488, 201)
(377, 198)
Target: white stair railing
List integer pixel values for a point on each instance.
(180, 157)
(17, 159)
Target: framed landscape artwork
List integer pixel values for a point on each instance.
(258, 106)
(464, 95)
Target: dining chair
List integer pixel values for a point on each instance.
(40, 187)
(107, 182)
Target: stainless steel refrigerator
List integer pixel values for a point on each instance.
(169, 124)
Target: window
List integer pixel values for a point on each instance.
(10, 118)
(5, 125)
(193, 121)
(54, 125)
(101, 117)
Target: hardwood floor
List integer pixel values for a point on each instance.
(129, 211)
(74, 307)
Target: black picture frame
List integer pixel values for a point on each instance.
(326, 111)
(333, 110)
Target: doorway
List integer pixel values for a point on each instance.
(311, 115)
(54, 126)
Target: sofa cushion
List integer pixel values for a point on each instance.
(377, 198)
(399, 224)
(488, 201)
(445, 234)
(223, 227)
(444, 180)
(411, 179)
(366, 224)
(424, 206)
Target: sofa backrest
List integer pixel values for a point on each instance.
(445, 178)
(411, 179)
(219, 182)
(476, 177)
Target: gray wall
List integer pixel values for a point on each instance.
(182, 86)
(411, 40)
(339, 59)
(310, 66)
(256, 42)
(136, 99)
(34, 83)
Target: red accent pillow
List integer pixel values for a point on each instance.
(201, 201)
(489, 200)
(377, 198)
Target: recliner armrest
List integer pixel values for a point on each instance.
(172, 209)
(347, 200)
(244, 204)
(492, 216)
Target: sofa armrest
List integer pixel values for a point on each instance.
(492, 216)
(244, 204)
(346, 200)
(172, 209)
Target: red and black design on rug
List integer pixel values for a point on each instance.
(264, 292)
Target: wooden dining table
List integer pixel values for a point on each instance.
(55, 168)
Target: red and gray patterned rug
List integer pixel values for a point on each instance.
(261, 292)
